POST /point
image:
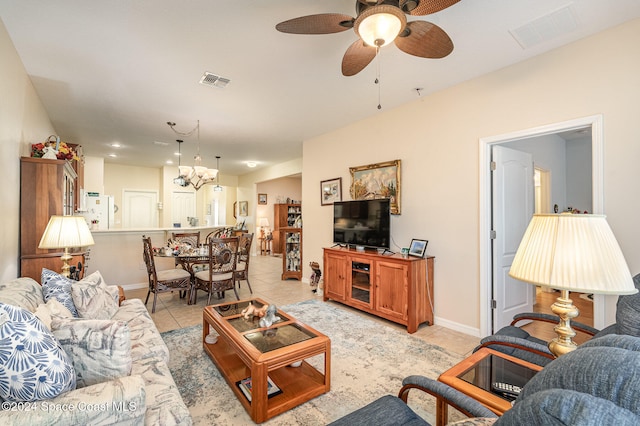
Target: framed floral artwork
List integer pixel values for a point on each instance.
(380, 180)
(330, 191)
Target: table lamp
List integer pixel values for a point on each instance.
(264, 223)
(571, 252)
(66, 232)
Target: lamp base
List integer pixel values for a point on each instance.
(566, 311)
(66, 257)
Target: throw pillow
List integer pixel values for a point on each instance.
(33, 365)
(23, 292)
(92, 298)
(55, 286)
(99, 349)
(52, 309)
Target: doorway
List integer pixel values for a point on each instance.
(594, 123)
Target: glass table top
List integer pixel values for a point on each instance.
(279, 335)
(493, 370)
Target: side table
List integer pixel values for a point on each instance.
(265, 246)
(476, 375)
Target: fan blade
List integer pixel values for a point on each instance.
(357, 57)
(324, 23)
(425, 40)
(427, 7)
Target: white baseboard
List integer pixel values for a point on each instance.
(457, 326)
(134, 286)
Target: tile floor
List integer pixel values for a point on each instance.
(264, 271)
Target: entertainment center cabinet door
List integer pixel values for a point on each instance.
(335, 277)
(392, 289)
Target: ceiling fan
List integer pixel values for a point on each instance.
(378, 23)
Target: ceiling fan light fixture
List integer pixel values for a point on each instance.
(379, 25)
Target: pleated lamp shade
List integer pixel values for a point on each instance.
(574, 252)
(66, 232)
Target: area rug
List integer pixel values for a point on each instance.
(369, 359)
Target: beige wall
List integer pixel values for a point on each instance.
(248, 184)
(23, 121)
(283, 188)
(437, 139)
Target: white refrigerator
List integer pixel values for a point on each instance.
(99, 211)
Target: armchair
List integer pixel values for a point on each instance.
(586, 387)
(515, 341)
(394, 411)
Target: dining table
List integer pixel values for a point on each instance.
(188, 260)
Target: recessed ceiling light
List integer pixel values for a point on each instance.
(251, 164)
(112, 155)
(169, 162)
(115, 145)
(177, 154)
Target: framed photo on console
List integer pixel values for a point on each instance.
(418, 247)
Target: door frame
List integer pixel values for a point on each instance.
(485, 144)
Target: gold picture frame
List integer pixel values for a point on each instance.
(262, 198)
(380, 180)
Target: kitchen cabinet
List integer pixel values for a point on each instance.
(393, 287)
(47, 188)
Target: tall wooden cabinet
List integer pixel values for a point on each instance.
(47, 188)
(396, 288)
(284, 216)
(292, 255)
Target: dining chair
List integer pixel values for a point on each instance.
(244, 255)
(162, 281)
(224, 232)
(191, 238)
(220, 274)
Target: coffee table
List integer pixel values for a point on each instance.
(244, 349)
(475, 376)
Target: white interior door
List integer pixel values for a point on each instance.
(513, 206)
(183, 205)
(140, 209)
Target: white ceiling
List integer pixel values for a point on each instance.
(117, 71)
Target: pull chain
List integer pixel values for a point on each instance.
(377, 81)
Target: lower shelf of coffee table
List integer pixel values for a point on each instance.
(298, 384)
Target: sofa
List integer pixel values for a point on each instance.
(597, 384)
(71, 354)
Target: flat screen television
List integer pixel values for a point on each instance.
(362, 223)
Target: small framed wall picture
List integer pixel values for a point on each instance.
(330, 191)
(243, 208)
(262, 198)
(418, 247)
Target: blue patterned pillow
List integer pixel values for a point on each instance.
(58, 287)
(33, 365)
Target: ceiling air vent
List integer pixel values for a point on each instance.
(555, 24)
(209, 79)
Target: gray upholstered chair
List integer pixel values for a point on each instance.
(515, 341)
(597, 384)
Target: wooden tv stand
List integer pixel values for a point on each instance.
(393, 287)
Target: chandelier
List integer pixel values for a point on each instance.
(198, 175)
(217, 188)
